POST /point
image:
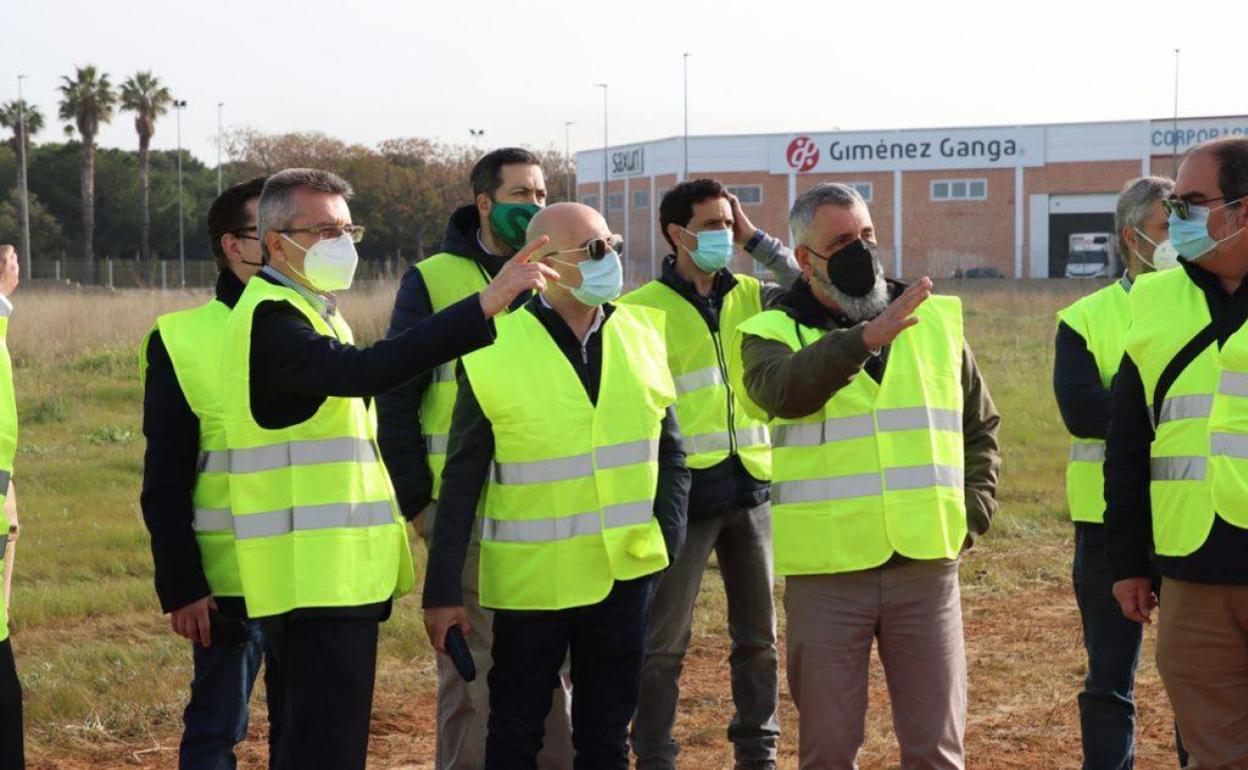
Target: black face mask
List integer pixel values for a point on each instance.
(852, 269)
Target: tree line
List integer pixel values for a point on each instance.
(90, 202)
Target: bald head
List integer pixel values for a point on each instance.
(569, 225)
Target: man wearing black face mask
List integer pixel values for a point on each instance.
(414, 420)
(885, 462)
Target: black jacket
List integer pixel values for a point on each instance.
(398, 412)
(1128, 513)
(727, 484)
(170, 467)
(471, 450)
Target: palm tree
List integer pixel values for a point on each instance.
(11, 117)
(87, 100)
(144, 95)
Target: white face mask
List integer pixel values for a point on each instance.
(1165, 256)
(330, 264)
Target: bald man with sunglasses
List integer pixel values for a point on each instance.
(567, 436)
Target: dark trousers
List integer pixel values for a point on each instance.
(12, 745)
(327, 666)
(1107, 703)
(216, 716)
(606, 642)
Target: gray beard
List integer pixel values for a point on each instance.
(857, 309)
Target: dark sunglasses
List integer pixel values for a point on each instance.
(597, 248)
(1177, 207)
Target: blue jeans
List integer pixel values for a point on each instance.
(216, 716)
(1107, 703)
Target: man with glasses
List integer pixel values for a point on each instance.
(1173, 479)
(197, 578)
(320, 545)
(413, 421)
(1087, 352)
(564, 432)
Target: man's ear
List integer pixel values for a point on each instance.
(484, 205)
(1130, 239)
(802, 255)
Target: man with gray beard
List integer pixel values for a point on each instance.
(885, 462)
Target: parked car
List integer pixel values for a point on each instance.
(978, 272)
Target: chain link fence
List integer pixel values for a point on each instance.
(164, 273)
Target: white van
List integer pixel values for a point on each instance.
(1089, 255)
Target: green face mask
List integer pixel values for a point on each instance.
(509, 221)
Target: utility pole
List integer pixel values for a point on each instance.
(219, 106)
(476, 133)
(686, 177)
(567, 159)
(1175, 132)
(605, 144)
(179, 105)
(21, 154)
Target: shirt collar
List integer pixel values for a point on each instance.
(594, 327)
(325, 304)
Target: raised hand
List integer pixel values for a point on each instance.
(898, 316)
(517, 276)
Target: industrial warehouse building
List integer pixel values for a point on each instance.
(1031, 201)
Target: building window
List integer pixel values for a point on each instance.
(959, 189)
(590, 200)
(615, 201)
(641, 199)
(749, 195)
(865, 189)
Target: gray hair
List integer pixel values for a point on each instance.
(277, 201)
(822, 194)
(1135, 203)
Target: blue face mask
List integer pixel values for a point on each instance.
(714, 250)
(1190, 236)
(602, 280)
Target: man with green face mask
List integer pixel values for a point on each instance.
(508, 188)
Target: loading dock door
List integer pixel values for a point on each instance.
(1076, 214)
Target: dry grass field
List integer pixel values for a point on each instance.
(105, 679)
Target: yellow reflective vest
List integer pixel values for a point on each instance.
(449, 278)
(8, 444)
(315, 520)
(569, 506)
(1101, 319)
(713, 424)
(1167, 312)
(193, 340)
(879, 469)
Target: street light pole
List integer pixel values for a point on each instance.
(179, 105)
(21, 154)
(686, 177)
(477, 133)
(219, 106)
(1175, 132)
(605, 145)
(567, 159)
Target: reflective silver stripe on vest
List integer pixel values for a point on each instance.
(308, 517)
(757, 435)
(576, 466)
(698, 379)
(922, 477)
(822, 490)
(1229, 445)
(920, 418)
(628, 453)
(214, 462)
(1233, 384)
(1087, 453)
(809, 434)
(443, 373)
(436, 443)
(567, 527)
(346, 449)
(1177, 468)
(1186, 408)
(718, 442)
(214, 520)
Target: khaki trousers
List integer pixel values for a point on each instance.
(914, 610)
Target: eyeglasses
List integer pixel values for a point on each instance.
(597, 248)
(240, 233)
(326, 233)
(1177, 207)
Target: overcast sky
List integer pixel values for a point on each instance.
(369, 70)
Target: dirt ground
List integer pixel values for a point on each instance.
(1024, 656)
